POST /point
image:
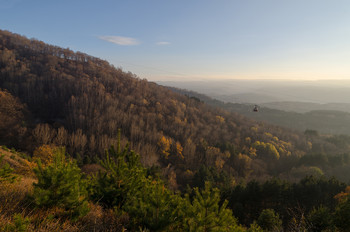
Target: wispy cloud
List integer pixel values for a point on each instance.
(120, 40)
(163, 43)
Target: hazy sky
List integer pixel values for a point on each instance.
(189, 39)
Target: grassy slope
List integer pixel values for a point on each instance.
(16, 205)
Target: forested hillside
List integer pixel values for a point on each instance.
(53, 99)
(80, 101)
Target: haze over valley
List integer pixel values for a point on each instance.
(316, 92)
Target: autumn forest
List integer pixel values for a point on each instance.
(87, 146)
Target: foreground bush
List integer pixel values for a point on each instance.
(204, 212)
(60, 184)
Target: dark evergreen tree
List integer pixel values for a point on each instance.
(156, 208)
(270, 221)
(61, 184)
(320, 219)
(204, 212)
(122, 178)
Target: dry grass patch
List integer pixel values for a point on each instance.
(20, 165)
(99, 219)
(13, 197)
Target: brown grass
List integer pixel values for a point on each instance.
(99, 219)
(20, 165)
(13, 196)
(14, 200)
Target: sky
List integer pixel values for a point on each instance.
(196, 39)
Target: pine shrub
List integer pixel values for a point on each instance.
(61, 184)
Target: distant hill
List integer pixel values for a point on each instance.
(303, 107)
(265, 91)
(248, 98)
(324, 121)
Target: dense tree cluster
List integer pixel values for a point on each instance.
(286, 198)
(12, 119)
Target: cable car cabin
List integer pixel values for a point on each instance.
(255, 108)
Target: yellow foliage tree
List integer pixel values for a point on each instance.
(219, 163)
(179, 150)
(220, 119)
(252, 152)
(266, 149)
(268, 134)
(343, 195)
(45, 153)
(164, 146)
(243, 165)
